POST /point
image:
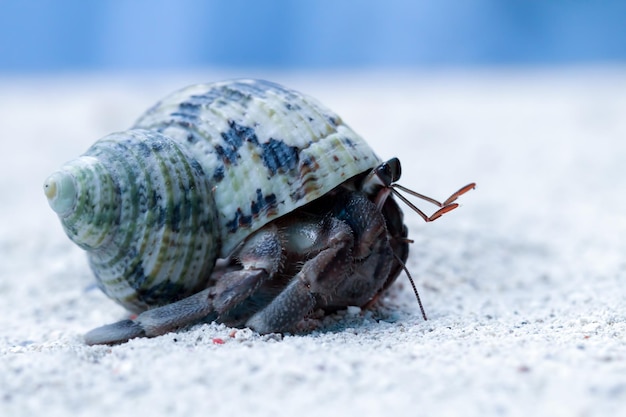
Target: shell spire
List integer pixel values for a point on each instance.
(83, 195)
(142, 208)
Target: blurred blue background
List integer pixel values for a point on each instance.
(121, 35)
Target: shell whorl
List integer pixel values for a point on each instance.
(268, 149)
(142, 208)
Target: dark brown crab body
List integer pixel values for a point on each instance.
(296, 204)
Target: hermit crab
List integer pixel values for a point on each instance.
(241, 202)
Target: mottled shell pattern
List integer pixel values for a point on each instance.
(156, 205)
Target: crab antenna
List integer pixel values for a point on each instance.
(446, 206)
(417, 295)
(418, 195)
(459, 193)
(449, 200)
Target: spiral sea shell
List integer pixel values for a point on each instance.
(156, 205)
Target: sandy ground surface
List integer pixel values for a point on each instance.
(524, 285)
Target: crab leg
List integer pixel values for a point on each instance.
(155, 322)
(317, 274)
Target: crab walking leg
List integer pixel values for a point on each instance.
(373, 256)
(315, 279)
(155, 322)
(114, 333)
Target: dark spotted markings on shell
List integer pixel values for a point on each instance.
(156, 205)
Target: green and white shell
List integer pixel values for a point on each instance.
(156, 205)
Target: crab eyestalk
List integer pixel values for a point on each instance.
(142, 208)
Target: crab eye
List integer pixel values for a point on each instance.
(389, 172)
(396, 169)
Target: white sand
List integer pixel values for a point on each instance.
(525, 284)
